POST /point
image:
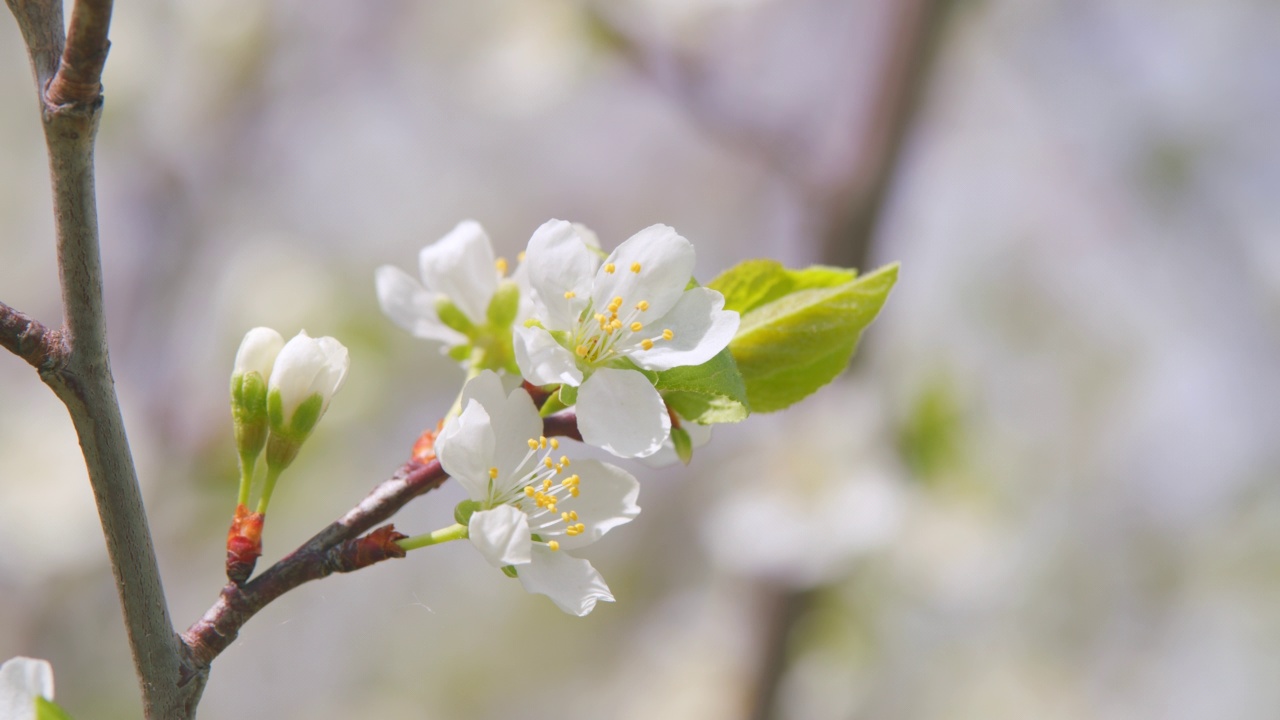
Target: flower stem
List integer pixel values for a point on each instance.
(246, 478)
(443, 535)
(273, 474)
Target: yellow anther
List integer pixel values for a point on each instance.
(542, 442)
(642, 305)
(572, 515)
(546, 485)
(555, 444)
(564, 460)
(520, 256)
(635, 267)
(581, 351)
(569, 294)
(615, 324)
(547, 461)
(614, 304)
(553, 545)
(572, 530)
(493, 473)
(647, 344)
(574, 491)
(501, 265)
(529, 491)
(533, 444)
(610, 267)
(636, 327)
(667, 334)
(599, 317)
(565, 517)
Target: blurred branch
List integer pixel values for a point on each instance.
(70, 105)
(917, 29)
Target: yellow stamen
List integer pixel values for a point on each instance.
(569, 294)
(574, 491)
(635, 267)
(553, 545)
(542, 442)
(580, 528)
(615, 324)
(564, 461)
(493, 473)
(642, 305)
(555, 444)
(501, 265)
(636, 327)
(581, 351)
(520, 256)
(614, 304)
(533, 444)
(610, 267)
(667, 334)
(529, 491)
(546, 485)
(547, 461)
(647, 344)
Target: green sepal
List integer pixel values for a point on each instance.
(463, 511)
(711, 393)
(306, 416)
(249, 412)
(453, 317)
(281, 450)
(49, 710)
(504, 305)
(683, 444)
(509, 571)
(568, 395)
(799, 328)
(460, 353)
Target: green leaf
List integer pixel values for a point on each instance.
(799, 327)
(710, 393)
(48, 710)
(753, 283)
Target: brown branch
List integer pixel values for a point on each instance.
(79, 78)
(337, 548)
(42, 347)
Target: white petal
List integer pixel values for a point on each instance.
(295, 368)
(501, 535)
(607, 500)
(461, 266)
(514, 420)
(700, 327)
(22, 679)
(465, 448)
(571, 583)
(412, 306)
(666, 263)
(619, 410)
(258, 351)
(560, 264)
(542, 360)
(337, 361)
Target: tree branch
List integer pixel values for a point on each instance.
(337, 548)
(42, 347)
(71, 104)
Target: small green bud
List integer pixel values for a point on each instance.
(509, 571)
(504, 305)
(281, 450)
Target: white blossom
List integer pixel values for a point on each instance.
(22, 680)
(597, 321)
(307, 373)
(531, 507)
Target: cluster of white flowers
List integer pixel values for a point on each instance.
(598, 328)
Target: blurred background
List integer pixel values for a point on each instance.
(1047, 488)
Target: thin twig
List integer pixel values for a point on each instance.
(40, 346)
(71, 105)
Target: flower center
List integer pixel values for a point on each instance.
(539, 495)
(611, 331)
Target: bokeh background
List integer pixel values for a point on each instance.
(1048, 487)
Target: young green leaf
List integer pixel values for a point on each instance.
(48, 710)
(799, 327)
(710, 393)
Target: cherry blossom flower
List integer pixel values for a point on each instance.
(598, 323)
(529, 507)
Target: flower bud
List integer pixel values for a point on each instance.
(307, 373)
(253, 364)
